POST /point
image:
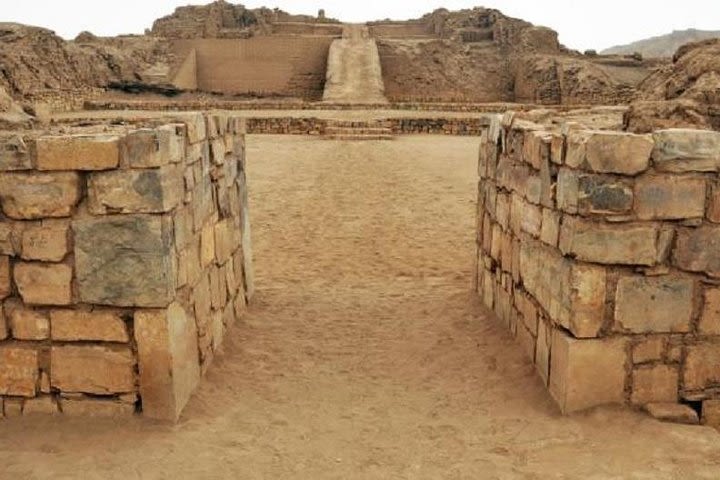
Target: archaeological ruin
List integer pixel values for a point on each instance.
(125, 224)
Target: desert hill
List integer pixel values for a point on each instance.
(663, 46)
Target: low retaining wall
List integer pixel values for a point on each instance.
(124, 257)
(599, 251)
(398, 126)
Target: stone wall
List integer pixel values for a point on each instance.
(124, 257)
(599, 251)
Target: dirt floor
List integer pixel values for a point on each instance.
(365, 354)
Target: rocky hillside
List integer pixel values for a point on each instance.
(663, 46)
(684, 94)
(484, 56)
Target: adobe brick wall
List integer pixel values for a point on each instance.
(124, 257)
(599, 251)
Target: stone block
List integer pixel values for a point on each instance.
(33, 196)
(622, 244)
(226, 242)
(5, 279)
(531, 219)
(44, 405)
(4, 329)
(673, 413)
(711, 413)
(550, 232)
(502, 210)
(207, 246)
(713, 209)
(94, 408)
(536, 148)
(557, 149)
(44, 283)
(16, 153)
(155, 190)
(654, 304)
(598, 194)
(702, 366)
(78, 152)
(649, 350)
(572, 294)
(196, 126)
(698, 250)
(587, 373)
(125, 260)
(88, 326)
(168, 359)
(542, 351)
(97, 370)
(685, 150)
(27, 324)
(669, 197)
(618, 152)
(143, 149)
(568, 187)
(13, 407)
(655, 384)
(46, 241)
(19, 371)
(710, 317)
(218, 288)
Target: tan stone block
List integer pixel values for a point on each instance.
(142, 149)
(631, 244)
(46, 241)
(527, 341)
(27, 324)
(225, 241)
(586, 373)
(711, 413)
(618, 152)
(78, 152)
(31, 196)
(685, 150)
(557, 149)
(602, 194)
(701, 366)
(502, 210)
(16, 152)
(710, 318)
(5, 281)
(156, 190)
(44, 405)
(649, 350)
(698, 250)
(672, 412)
(654, 384)
(207, 246)
(550, 232)
(93, 408)
(669, 197)
(713, 210)
(96, 370)
(44, 284)
(19, 371)
(168, 358)
(196, 126)
(202, 301)
(654, 304)
(218, 288)
(542, 352)
(13, 407)
(4, 331)
(531, 219)
(79, 325)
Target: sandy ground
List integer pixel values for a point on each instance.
(365, 355)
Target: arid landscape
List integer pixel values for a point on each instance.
(254, 244)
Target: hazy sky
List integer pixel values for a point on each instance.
(582, 24)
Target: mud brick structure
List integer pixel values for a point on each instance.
(124, 257)
(599, 250)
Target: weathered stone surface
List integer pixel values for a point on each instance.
(655, 384)
(573, 294)
(673, 412)
(5, 280)
(125, 260)
(90, 408)
(618, 152)
(44, 283)
(44, 405)
(98, 325)
(156, 190)
(669, 197)
(30, 196)
(600, 194)
(142, 149)
(92, 369)
(711, 413)
(701, 366)
(684, 150)
(589, 241)
(654, 304)
(27, 324)
(207, 246)
(168, 359)
(586, 373)
(4, 329)
(550, 232)
(710, 317)
(46, 241)
(81, 152)
(542, 351)
(226, 241)
(649, 350)
(18, 371)
(16, 153)
(713, 209)
(698, 250)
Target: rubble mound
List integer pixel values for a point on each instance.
(684, 94)
(482, 55)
